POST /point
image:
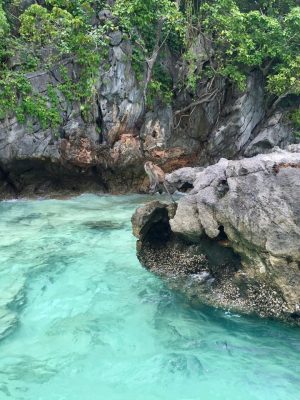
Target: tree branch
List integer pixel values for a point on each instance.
(276, 102)
(151, 61)
(204, 99)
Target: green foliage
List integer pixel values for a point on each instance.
(244, 40)
(41, 27)
(41, 108)
(12, 86)
(286, 78)
(269, 7)
(16, 95)
(160, 86)
(244, 35)
(140, 21)
(4, 32)
(191, 60)
(64, 28)
(295, 118)
(4, 27)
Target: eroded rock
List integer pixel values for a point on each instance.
(274, 132)
(241, 114)
(251, 208)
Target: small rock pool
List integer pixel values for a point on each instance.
(80, 319)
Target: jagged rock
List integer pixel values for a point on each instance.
(90, 151)
(252, 207)
(274, 133)
(239, 118)
(293, 148)
(121, 100)
(192, 128)
(116, 38)
(154, 213)
(157, 128)
(104, 15)
(183, 179)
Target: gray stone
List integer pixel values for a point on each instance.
(104, 15)
(115, 38)
(182, 176)
(39, 80)
(82, 141)
(153, 213)
(274, 133)
(157, 128)
(251, 206)
(239, 120)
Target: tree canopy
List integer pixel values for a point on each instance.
(268, 40)
(243, 36)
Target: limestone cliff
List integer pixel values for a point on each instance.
(105, 149)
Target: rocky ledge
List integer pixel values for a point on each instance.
(233, 240)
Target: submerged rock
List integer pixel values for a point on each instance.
(249, 208)
(8, 322)
(104, 225)
(12, 297)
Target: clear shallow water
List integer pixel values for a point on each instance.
(95, 325)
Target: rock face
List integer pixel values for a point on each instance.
(105, 150)
(241, 115)
(250, 206)
(86, 150)
(272, 133)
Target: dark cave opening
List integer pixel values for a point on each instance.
(222, 235)
(186, 187)
(217, 251)
(158, 231)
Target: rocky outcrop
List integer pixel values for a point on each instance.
(240, 115)
(104, 149)
(86, 150)
(249, 207)
(273, 132)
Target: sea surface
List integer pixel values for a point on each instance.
(84, 321)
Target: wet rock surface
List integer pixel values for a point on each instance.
(250, 208)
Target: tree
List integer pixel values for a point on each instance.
(149, 24)
(4, 27)
(243, 40)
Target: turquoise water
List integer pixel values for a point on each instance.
(87, 322)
